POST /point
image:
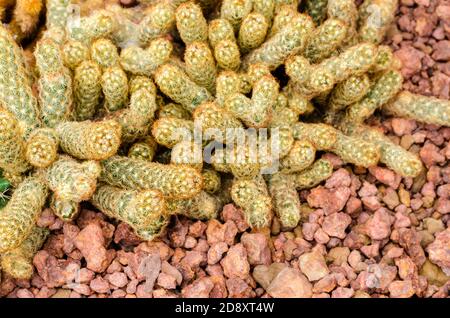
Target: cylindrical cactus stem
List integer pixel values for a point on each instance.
(356, 150)
(430, 110)
(348, 92)
(136, 208)
(203, 206)
(188, 153)
(65, 210)
(57, 13)
(309, 178)
(301, 155)
(291, 39)
(174, 181)
(347, 12)
(42, 147)
(19, 216)
(145, 61)
(392, 155)
(114, 83)
(158, 20)
(252, 32)
(253, 197)
(18, 262)
(385, 60)
(55, 96)
(227, 55)
(100, 24)
(320, 80)
(227, 84)
(219, 161)
(13, 178)
(55, 83)
(282, 114)
(191, 23)
(12, 145)
(286, 201)
(384, 89)
(15, 91)
(211, 180)
(104, 53)
(145, 149)
(155, 229)
(297, 102)
(256, 71)
(200, 64)
(266, 8)
(215, 121)
(74, 52)
(375, 18)
(89, 140)
(86, 89)
(257, 111)
(175, 111)
(317, 9)
(170, 131)
(139, 81)
(235, 11)
(71, 180)
(284, 14)
(325, 40)
(175, 83)
(298, 68)
(322, 136)
(350, 149)
(219, 30)
(355, 60)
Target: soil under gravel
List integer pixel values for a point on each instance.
(364, 232)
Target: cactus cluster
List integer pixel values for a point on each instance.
(180, 107)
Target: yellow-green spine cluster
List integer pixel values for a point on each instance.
(317, 9)
(203, 206)
(104, 53)
(87, 89)
(200, 64)
(42, 147)
(89, 140)
(74, 52)
(252, 32)
(19, 216)
(65, 210)
(253, 197)
(139, 209)
(430, 110)
(170, 130)
(145, 149)
(174, 110)
(18, 262)
(235, 11)
(375, 18)
(300, 156)
(57, 13)
(114, 84)
(158, 20)
(12, 145)
(286, 202)
(309, 178)
(174, 181)
(191, 23)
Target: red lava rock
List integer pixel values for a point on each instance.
(411, 60)
(339, 178)
(439, 251)
(215, 232)
(177, 233)
(371, 203)
(118, 279)
(238, 288)
(386, 176)
(354, 206)
(257, 246)
(143, 292)
(430, 154)
(45, 292)
(216, 252)
(190, 242)
(90, 242)
(441, 51)
(235, 263)
(443, 206)
(443, 12)
(46, 219)
(335, 224)
(325, 285)
(220, 288)
(342, 292)
(70, 233)
(125, 236)
(200, 288)
(166, 281)
(24, 293)
(54, 272)
(403, 126)
(410, 241)
(367, 190)
(54, 245)
(197, 229)
(401, 289)
(290, 283)
(378, 227)
(232, 213)
(377, 276)
(313, 265)
(172, 271)
(329, 200)
(149, 267)
(99, 285)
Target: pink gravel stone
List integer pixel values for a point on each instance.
(235, 263)
(335, 224)
(257, 246)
